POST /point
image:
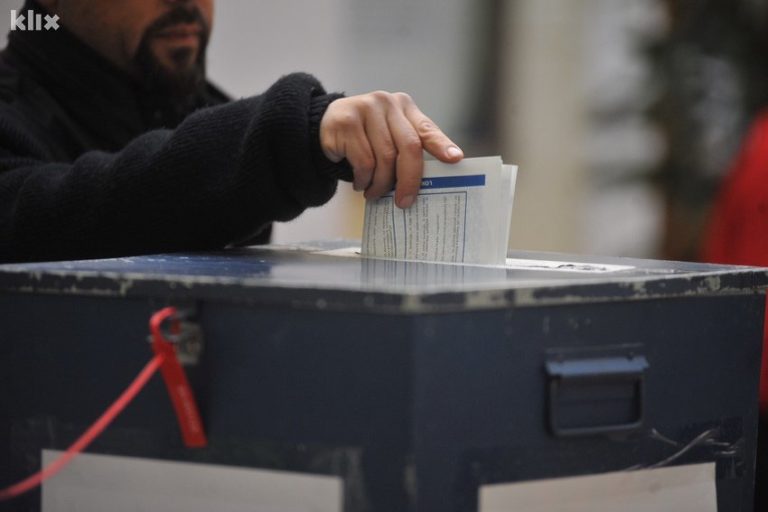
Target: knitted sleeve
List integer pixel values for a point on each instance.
(218, 178)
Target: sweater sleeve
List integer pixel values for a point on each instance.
(218, 178)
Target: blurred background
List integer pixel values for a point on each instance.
(623, 115)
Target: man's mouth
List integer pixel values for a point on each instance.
(181, 32)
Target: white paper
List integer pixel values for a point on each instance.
(565, 266)
(510, 177)
(461, 215)
(510, 263)
(99, 483)
(689, 488)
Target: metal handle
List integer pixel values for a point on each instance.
(596, 396)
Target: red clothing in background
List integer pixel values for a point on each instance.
(738, 231)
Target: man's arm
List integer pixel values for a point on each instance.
(217, 179)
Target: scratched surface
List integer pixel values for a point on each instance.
(301, 277)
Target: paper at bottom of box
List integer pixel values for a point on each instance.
(689, 488)
(98, 483)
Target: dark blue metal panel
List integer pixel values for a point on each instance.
(414, 391)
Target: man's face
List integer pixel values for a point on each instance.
(163, 37)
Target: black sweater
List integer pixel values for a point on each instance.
(93, 165)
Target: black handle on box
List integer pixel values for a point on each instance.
(592, 396)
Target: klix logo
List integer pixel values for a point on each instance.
(33, 21)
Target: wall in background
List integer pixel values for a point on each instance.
(576, 85)
(354, 46)
(623, 147)
(5, 18)
(543, 122)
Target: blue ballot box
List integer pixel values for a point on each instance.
(415, 384)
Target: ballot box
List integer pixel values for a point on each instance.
(328, 381)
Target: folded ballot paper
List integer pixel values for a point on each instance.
(461, 215)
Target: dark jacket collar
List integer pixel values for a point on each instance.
(94, 91)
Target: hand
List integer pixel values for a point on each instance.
(383, 135)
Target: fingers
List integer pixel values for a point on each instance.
(396, 147)
(383, 137)
(374, 108)
(342, 135)
(434, 141)
(399, 133)
(410, 158)
(360, 157)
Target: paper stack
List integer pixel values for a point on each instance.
(462, 214)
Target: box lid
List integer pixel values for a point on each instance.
(333, 276)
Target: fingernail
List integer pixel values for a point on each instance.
(454, 152)
(407, 201)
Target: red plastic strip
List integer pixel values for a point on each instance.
(92, 433)
(179, 390)
(178, 387)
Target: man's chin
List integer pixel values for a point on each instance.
(175, 56)
(178, 70)
(165, 65)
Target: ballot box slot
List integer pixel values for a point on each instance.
(597, 395)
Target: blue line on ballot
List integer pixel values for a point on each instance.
(474, 180)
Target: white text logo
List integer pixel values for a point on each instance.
(34, 21)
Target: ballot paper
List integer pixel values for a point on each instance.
(96, 483)
(462, 214)
(687, 488)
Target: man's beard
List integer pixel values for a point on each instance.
(179, 83)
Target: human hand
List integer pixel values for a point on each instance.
(383, 136)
